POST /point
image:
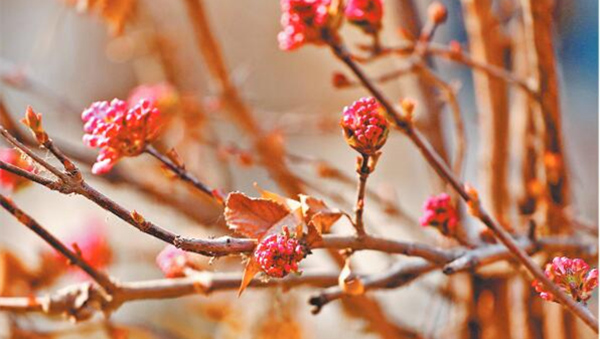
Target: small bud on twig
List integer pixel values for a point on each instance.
(339, 80)
(473, 203)
(437, 13)
(34, 122)
(408, 107)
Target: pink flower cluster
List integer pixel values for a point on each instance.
(8, 180)
(439, 213)
(366, 14)
(302, 21)
(172, 261)
(161, 95)
(573, 276)
(365, 128)
(279, 254)
(119, 131)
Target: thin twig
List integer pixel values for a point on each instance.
(459, 126)
(103, 280)
(180, 171)
(363, 172)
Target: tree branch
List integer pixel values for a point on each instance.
(436, 162)
(76, 259)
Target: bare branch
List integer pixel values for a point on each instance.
(103, 280)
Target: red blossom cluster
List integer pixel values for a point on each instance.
(9, 181)
(573, 276)
(365, 127)
(279, 254)
(119, 131)
(440, 213)
(303, 22)
(366, 14)
(172, 261)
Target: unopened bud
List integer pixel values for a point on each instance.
(34, 122)
(408, 107)
(339, 80)
(437, 13)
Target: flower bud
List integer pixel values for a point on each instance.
(9, 181)
(340, 80)
(119, 131)
(279, 254)
(437, 13)
(172, 261)
(365, 127)
(573, 276)
(34, 122)
(303, 21)
(366, 14)
(408, 107)
(439, 212)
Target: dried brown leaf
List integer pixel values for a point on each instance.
(317, 213)
(252, 268)
(252, 217)
(291, 204)
(350, 283)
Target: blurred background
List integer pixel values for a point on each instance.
(59, 60)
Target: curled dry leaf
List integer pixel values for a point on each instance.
(349, 282)
(291, 204)
(253, 217)
(317, 213)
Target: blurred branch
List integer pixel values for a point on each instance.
(270, 150)
(75, 258)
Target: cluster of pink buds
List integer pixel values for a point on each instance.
(172, 261)
(119, 131)
(440, 213)
(573, 276)
(366, 14)
(279, 254)
(365, 127)
(302, 21)
(162, 96)
(9, 181)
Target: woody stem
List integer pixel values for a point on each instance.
(363, 172)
